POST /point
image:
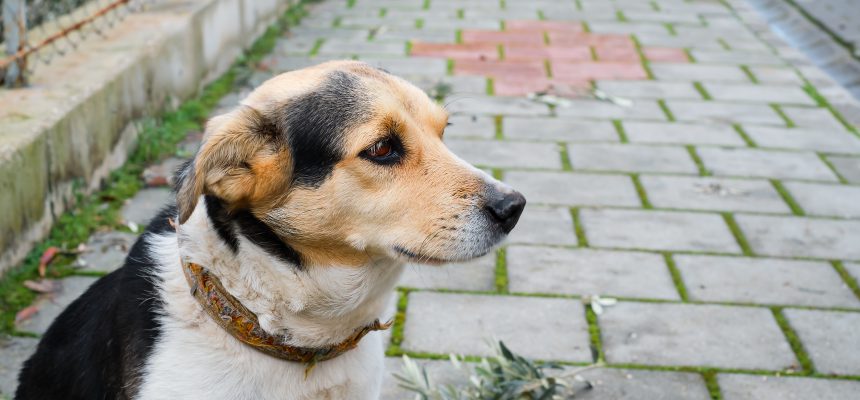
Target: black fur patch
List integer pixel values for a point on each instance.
(97, 347)
(251, 227)
(315, 123)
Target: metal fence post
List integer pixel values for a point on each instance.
(14, 33)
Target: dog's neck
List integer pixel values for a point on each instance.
(317, 305)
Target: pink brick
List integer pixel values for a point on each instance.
(665, 54)
(501, 69)
(496, 37)
(472, 51)
(616, 53)
(588, 39)
(598, 70)
(552, 53)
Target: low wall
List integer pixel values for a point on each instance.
(73, 125)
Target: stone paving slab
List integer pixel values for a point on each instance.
(699, 72)
(559, 130)
(682, 133)
(620, 384)
(539, 328)
(478, 274)
(658, 230)
(106, 251)
(829, 140)
(812, 117)
(631, 158)
(752, 387)
(696, 335)
(507, 154)
(801, 237)
(825, 199)
(482, 105)
(50, 306)
(578, 189)
(639, 110)
(765, 164)
(830, 338)
(15, 351)
(764, 281)
(714, 194)
(767, 94)
(145, 205)
(470, 126)
(724, 112)
(535, 269)
(847, 167)
(650, 89)
(544, 225)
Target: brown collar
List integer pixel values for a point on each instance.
(243, 325)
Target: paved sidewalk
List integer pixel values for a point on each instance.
(713, 191)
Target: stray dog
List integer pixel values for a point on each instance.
(291, 227)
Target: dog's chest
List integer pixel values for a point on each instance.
(204, 363)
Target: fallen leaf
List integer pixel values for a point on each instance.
(46, 258)
(42, 285)
(26, 313)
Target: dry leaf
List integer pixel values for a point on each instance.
(42, 285)
(26, 313)
(46, 258)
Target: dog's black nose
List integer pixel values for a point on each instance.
(506, 208)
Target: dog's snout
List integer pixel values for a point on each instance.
(506, 208)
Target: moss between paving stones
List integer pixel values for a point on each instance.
(793, 341)
(157, 139)
(710, 379)
(501, 273)
(846, 277)
(796, 209)
(677, 279)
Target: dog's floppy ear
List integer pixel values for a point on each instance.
(240, 160)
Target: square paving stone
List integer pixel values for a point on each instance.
(658, 230)
(694, 335)
(533, 269)
(620, 384)
(830, 338)
(484, 105)
(507, 154)
(717, 194)
(470, 126)
(539, 328)
(631, 158)
(13, 352)
(565, 188)
(640, 109)
(764, 281)
(478, 274)
(826, 199)
(723, 112)
(847, 167)
(767, 94)
(145, 205)
(801, 237)
(558, 130)
(50, 306)
(829, 140)
(650, 89)
(544, 225)
(681, 133)
(106, 251)
(755, 387)
(765, 164)
(811, 117)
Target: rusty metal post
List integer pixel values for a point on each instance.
(14, 34)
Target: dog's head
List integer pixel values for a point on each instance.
(345, 163)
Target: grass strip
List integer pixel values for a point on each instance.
(702, 91)
(703, 171)
(502, 270)
(738, 234)
(846, 277)
(788, 122)
(796, 209)
(794, 341)
(666, 110)
(594, 335)
(640, 190)
(743, 133)
(676, 277)
(578, 228)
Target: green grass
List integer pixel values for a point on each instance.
(832, 167)
(743, 134)
(498, 126)
(710, 378)
(578, 228)
(702, 91)
(547, 67)
(690, 55)
(419, 23)
(738, 234)
(796, 209)
(461, 13)
(490, 87)
(408, 47)
(670, 28)
(703, 171)
(666, 110)
(565, 157)
(846, 277)
(502, 270)
(449, 67)
(646, 65)
(724, 44)
(157, 139)
(425, 5)
(746, 69)
(619, 15)
(399, 321)
(458, 36)
(640, 190)
(822, 102)
(619, 128)
(788, 122)
(594, 335)
(794, 341)
(316, 47)
(541, 16)
(677, 280)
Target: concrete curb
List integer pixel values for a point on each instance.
(75, 123)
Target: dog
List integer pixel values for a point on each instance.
(291, 225)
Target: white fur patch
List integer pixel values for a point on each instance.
(195, 359)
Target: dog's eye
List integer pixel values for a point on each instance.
(386, 151)
(379, 149)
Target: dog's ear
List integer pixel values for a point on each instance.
(241, 159)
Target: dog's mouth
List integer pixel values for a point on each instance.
(425, 259)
